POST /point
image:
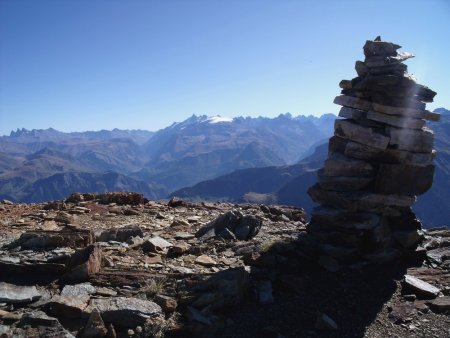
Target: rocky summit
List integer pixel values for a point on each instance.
(117, 265)
(379, 159)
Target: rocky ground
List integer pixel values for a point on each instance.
(115, 265)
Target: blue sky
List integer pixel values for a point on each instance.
(90, 65)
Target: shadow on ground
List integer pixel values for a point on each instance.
(303, 291)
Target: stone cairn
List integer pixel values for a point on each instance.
(379, 159)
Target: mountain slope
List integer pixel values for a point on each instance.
(207, 147)
(241, 185)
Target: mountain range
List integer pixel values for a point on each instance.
(288, 184)
(40, 165)
(258, 160)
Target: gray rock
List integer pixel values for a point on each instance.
(156, 244)
(342, 183)
(95, 327)
(244, 227)
(408, 112)
(125, 311)
(421, 287)
(123, 234)
(353, 102)
(358, 201)
(367, 136)
(13, 294)
(396, 121)
(441, 304)
(340, 165)
(168, 304)
(420, 141)
(37, 318)
(331, 218)
(233, 284)
(227, 234)
(403, 179)
(351, 113)
(78, 290)
(83, 264)
(67, 306)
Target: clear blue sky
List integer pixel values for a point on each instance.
(90, 65)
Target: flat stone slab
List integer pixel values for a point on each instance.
(327, 218)
(409, 112)
(343, 183)
(358, 201)
(396, 121)
(78, 290)
(441, 304)
(10, 293)
(421, 287)
(67, 306)
(353, 102)
(419, 141)
(125, 311)
(353, 131)
(403, 179)
(341, 165)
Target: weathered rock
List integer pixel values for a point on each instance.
(244, 227)
(403, 313)
(48, 239)
(95, 327)
(352, 102)
(329, 218)
(205, 260)
(168, 304)
(441, 304)
(123, 234)
(233, 284)
(156, 244)
(368, 136)
(341, 165)
(408, 112)
(358, 201)
(67, 306)
(78, 290)
(343, 183)
(83, 264)
(396, 121)
(125, 311)
(420, 287)
(403, 179)
(14, 294)
(420, 141)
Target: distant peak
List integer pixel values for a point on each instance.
(219, 119)
(19, 132)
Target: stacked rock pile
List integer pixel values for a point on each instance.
(380, 158)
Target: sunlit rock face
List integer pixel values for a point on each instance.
(379, 159)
